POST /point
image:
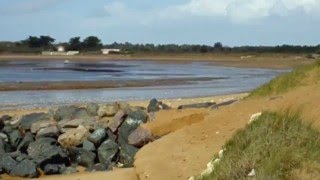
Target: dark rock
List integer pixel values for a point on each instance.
(65, 112)
(153, 106)
(87, 145)
(51, 131)
(15, 138)
(98, 136)
(7, 163)
(127, 153)
(128, 126)
(138, 115)
(107, 151)
(163, 106)
(2, 146)
(98, 167)
(50, 169)
(69, 170)
(92, 109)
(140, 137)
(7, 130)
(28, 138)
(80, 113)
(226, 103)
(117, 120)
(1, 171)
(2, 120)
(4, 137)
(44, 151)
(26, 168)
(197, 105)
(20, 157)
(28, 120)
(9, 148)
(82, 157)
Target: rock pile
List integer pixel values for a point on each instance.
(96, 137)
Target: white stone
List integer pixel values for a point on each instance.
(254, 117)
(221, 153)
(252, 173)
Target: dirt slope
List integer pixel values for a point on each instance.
(186, 152)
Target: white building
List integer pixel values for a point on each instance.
(108, 51)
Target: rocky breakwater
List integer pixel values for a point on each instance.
(97, 137)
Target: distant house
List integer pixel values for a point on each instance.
(109, 51)
(60, 49)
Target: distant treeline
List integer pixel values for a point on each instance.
(34, 44)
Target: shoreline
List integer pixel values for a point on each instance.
(258, 60)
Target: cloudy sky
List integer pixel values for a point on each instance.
(233, 22)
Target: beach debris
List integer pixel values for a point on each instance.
(140, 137)
(197, 105)
(224, 103)
(254, 117)
(252, 173)
(73, 137)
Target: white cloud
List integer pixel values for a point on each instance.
(239, 11)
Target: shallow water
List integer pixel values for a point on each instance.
(226, 80)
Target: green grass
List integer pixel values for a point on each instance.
(288, 81)
(275, 145)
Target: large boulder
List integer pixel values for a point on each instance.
(107, 151)
(140, 137)
(108, 110)
(132, 122)
(7, 163)
(153, 105)
(45, 151)
(73, 137)
(98, 136)
(28, 138)
(28, 120)
(82, 157)
(15, 138)
(92, 109)
(50, 169)
(70, 112)
(127, 153)
(117, 120)
(51, 131)
(26, 168)
(35, 127)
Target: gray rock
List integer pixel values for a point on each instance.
(197, 105)
(28, 120)
(2, 146)
(7, 163)
(28, 138)
(3, 120)
(73, 137)
(44, 151)
(37, 126)
(4, 137)
(140, 137)
(117, 120)
(26, 168)
(138, 115)
(107, 151)
(131, 123)
(89, 123)
(15, 138)
(7, 130)
(108, 110)
(92, 109)
(51, 131)
(82, 157)
(153, 105)
(87, 145)
(50, 169)
(69, 170)
(127, 153)
(98, 167)
(81, 113)
(65, 112)
(98, 136)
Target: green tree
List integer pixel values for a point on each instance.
(74, 44)
(92, 43)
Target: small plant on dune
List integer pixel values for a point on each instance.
(274, 146)
(301, 76)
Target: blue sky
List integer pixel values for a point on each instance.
(233, 22)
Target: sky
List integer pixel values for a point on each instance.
(232, 22)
